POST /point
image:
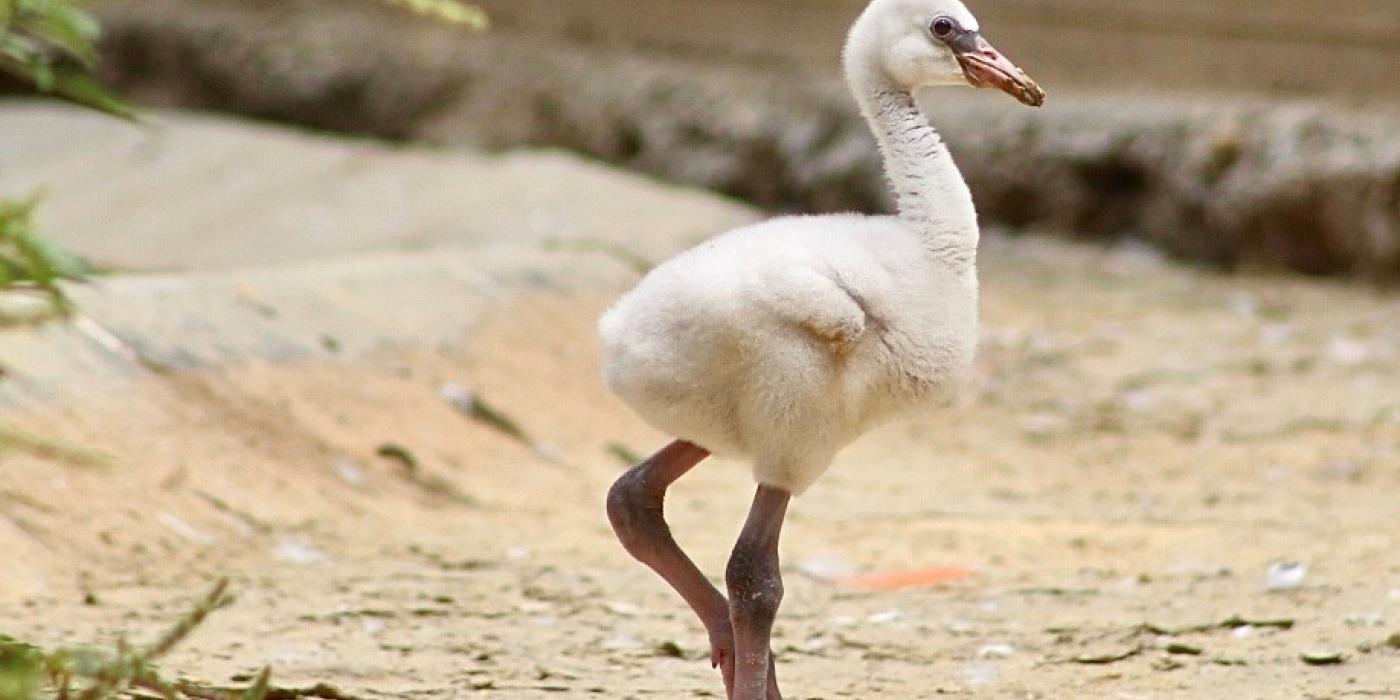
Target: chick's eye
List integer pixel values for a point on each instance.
(942, 27)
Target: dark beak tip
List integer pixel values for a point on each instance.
(991, 69)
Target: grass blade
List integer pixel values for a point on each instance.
(449, 11)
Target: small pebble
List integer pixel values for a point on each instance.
(1285, 576)
(1348, 352)
(298, 553)
(842, 620)
(1322, 658)
(622, 609)
(826, 566)
(996, 651)
(1245, 305)
(622, 640)
(978, 674)
(458, 396)
(349, 472)
(183, 529)
(1367, 620)
(884, 616)
(1278, 333)
(960, 627)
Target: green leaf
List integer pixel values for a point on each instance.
(21, 669)
(24, 57)
(40, 271)
(449, 11)
(31, 260)
(78, 87)
(67, 29)
(258, 690)
(59, 262)
(13, 273)
(18, 212)
(41, 40)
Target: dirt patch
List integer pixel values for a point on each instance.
(1137, 445)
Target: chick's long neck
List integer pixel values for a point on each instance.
(928, 187)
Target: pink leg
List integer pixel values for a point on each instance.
(635, 509)
(755, 591)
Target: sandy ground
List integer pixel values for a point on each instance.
(1137, 445)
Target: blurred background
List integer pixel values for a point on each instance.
(307, 301)
(1195, 126)
(1256, 48)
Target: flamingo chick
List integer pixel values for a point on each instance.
(781, 342)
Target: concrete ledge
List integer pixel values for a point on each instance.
(234, 243)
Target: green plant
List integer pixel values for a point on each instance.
(449, 11)
(29, 263)
(28, 672)
(50, 45)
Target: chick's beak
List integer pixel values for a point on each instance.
(984, 66)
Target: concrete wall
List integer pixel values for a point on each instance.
(1235, 182)
(1342, 48)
